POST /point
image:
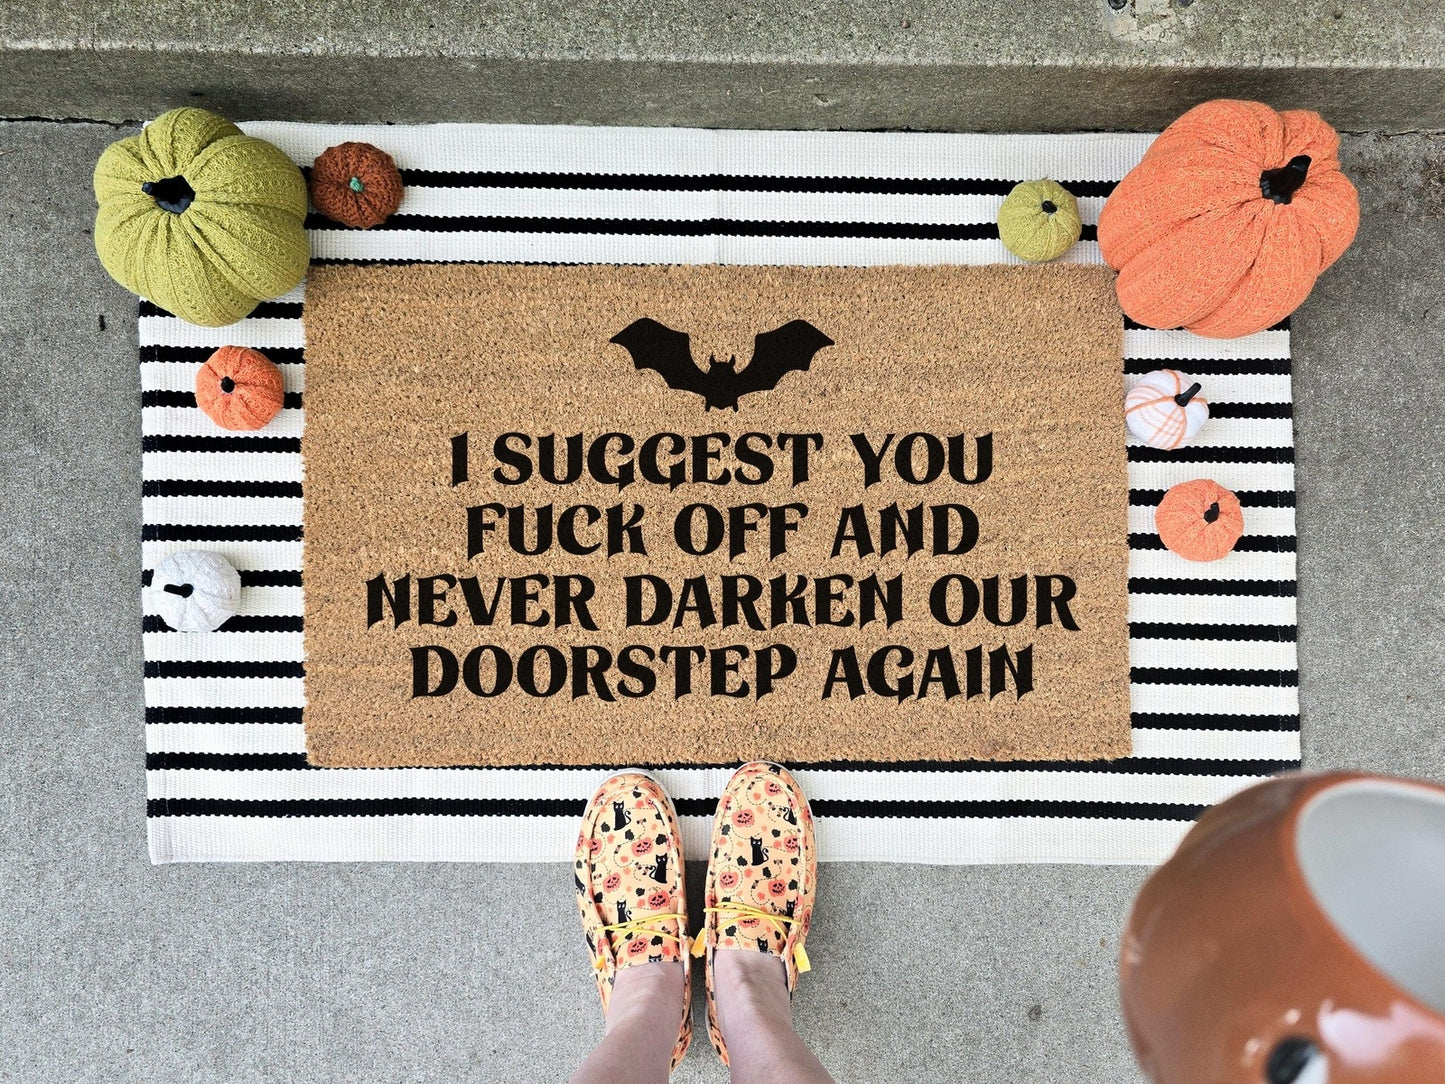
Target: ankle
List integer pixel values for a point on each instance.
(750, 990)
(644, 993)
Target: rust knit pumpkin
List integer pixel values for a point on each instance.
(240, 388)
(356, 184)
(1224, 225)
(1199, 520)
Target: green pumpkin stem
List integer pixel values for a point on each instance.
(1187, 394)
(173, 194)
(1281, 184)
(1211, 513)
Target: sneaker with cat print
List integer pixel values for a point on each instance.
(761, 876)
(629, 880)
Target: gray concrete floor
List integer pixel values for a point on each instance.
(111, 969)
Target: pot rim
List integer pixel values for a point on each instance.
(1315, 790)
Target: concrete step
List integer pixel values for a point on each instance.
(963, 65)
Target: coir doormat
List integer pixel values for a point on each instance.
(672, 514)
(1213, 680)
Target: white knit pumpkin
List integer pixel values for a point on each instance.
(195, 590)
(1165, 409)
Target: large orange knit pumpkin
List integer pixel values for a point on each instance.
(1224, 225)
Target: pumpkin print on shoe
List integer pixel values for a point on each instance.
(629, 880)
(760, 877)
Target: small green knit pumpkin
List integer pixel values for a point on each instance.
(1039, 220)
(200, 218)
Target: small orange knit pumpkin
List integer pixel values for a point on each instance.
(240, 388)
(356, 184)
(1199, 520)
(1224, 225)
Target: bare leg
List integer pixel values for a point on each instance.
(643, 1017)
(756, 1019)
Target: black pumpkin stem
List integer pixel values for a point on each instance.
(1281, 184)
(227, 385)
(1048, 207)
(1211, 513)
(173, 194)
(1187, 394)
(184, 590)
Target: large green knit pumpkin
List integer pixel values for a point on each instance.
(200, 218)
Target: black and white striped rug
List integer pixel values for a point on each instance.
(1212, 648)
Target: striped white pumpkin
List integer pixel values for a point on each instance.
(1165, 409)
(195, 591)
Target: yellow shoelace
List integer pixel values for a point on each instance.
(637, 924)
(800, 955)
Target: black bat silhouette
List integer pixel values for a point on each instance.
(775, 354)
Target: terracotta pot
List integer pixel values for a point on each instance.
(1296, 937)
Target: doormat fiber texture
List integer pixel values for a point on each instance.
(830, 600)
(1212, 653)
